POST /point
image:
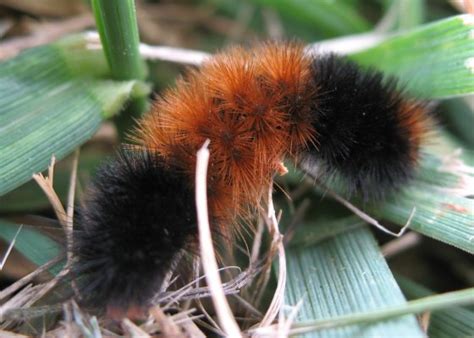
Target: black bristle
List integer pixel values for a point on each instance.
(362, 137)
(137, 218)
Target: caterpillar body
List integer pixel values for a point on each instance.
(258, 107)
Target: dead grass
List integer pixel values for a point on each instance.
(24, 302)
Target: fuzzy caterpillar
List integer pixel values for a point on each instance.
(258, 107)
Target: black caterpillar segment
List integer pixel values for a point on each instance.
(365, 134)
(137, 218)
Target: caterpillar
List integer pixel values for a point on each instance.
(258, 107)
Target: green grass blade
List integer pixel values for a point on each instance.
(32, 244)
(434, 61)
(47, 108)
(440, 193)
(29, 198)
(452, 322)
(430, 303)
(442, 211)
(117, 25)
(342, 275)
(332, 18)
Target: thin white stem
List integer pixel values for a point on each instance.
(368, 218)
(70, 204)
(10, 248)
(164, 53)
(208, 258)
(257, 243)
(401, 244)
(347, 44)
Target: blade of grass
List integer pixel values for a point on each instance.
(344, 274)
(29, 198)
(117, 25)
(433, 61)
(438, 194)
(452, 322)
(48, 108)
(429, 303)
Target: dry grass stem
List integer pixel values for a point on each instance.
(46, 287)
(131, 330)
(249, 307)
(273, 24)
(46, 184)
(167, 325)
(208, 258)
(28, 278)
(191, 328)
(70, 203)
(277, 242)
(401, 244)
(257, 243)
(347, 44)
(9, 334)
(286, 326)
(192, 291)
(424, 320)
(163, 53)
(10, 247)
(362, 215)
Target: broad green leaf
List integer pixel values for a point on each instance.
(49, 106)
(452, 322)
(433, 61)
(35, 246)
(341, 275)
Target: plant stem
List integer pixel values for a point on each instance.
(117, 25)
(430, 303)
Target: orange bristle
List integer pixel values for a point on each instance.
(248, 106)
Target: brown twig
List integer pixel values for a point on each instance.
(46, 184)
(277, 244)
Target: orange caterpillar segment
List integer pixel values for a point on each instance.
(414, 120)
(254, 108)
(286, 76)
(232, 79)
